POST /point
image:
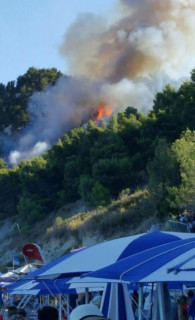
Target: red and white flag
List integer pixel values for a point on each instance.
(32, 250)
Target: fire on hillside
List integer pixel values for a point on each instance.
(103, 111)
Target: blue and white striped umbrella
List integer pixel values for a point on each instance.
(33, 287)
(116, 304)
(170, 262)
(104, 254)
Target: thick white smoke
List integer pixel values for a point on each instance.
(152, 36)
(120, 64)
(37, 150)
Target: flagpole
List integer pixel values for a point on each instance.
(26, 262)
(25, 259)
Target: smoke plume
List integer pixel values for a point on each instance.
(149, 43)
(152, 36)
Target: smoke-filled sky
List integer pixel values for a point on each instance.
(117, 58)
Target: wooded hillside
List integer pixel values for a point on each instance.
(133, 152)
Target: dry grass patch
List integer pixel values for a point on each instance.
(125, 213)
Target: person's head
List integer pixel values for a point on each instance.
(182, 300)
(90, 296)
(12, 310)
(21, 313)
(86, 311)
(48, 313)
(135, 293)
(190, 294)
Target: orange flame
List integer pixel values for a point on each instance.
(103, 111)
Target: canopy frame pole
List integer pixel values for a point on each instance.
(27, 301)
(47, 287)
(140, 302)
(24, 301)
(61, 296)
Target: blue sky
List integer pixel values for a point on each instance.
(31, 32)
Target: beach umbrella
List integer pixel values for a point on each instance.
(103, 254)
(11, 277)
(44, 287)
(141, 243)
(170, 262)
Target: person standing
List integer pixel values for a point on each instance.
(48, 313)
(182, 308)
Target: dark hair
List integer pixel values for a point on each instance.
(182, 299)
(190, 294)
(22, 312)
(11, 311)
(12, 308)
(48, 313)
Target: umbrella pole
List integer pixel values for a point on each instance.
(60, 307)
(86, 295)
(140, 309)
(161, 301)
(68, 306)
(152, 299)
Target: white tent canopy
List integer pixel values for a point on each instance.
(16, 273)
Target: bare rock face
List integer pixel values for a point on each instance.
(6, 233)
(53, 244)
(12, 242)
